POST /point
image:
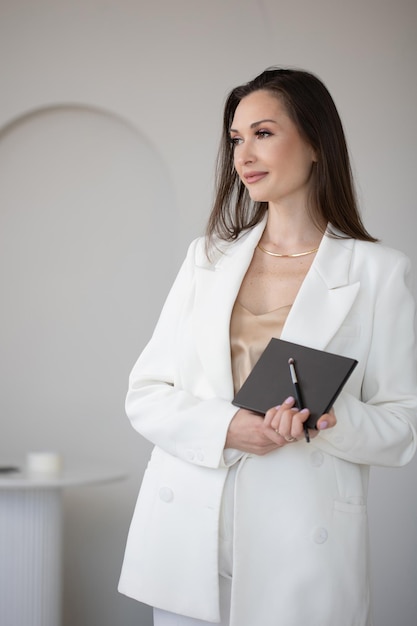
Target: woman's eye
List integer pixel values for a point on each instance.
(235, 141)
(263, 133)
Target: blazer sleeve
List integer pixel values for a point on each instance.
(380, 427)
(185, 426)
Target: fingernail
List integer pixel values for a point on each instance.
(289, 400)
(323, 425)
(278, 407)
(304, 411)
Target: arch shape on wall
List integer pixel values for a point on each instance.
(87, 253)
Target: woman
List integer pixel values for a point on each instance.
(239, 520)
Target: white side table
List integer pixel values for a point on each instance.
(30, 544)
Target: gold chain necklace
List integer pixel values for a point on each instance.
(287, 255)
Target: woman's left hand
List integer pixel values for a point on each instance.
(287, 422)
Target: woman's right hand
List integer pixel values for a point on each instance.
(247, 433)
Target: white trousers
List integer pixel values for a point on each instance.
(165, 618)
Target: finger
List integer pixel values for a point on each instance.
(274, 435)
(282, 421)
(280, 412)
(328, 420)
(276, 438)
(285, 424)
(296, 428)
(269, 416)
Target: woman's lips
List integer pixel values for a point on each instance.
(253, 177)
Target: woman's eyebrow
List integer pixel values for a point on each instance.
(255, 124)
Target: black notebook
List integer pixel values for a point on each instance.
(321, 377)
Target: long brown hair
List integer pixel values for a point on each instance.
(311, 108)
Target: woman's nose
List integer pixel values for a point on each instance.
(244, 154)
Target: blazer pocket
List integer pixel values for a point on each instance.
(343, 506)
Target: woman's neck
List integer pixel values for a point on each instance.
(291, 231)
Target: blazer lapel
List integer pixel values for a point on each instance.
(325, 297)
(217, 285)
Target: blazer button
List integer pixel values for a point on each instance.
(320, 535)
(166, 494)
(190, 454)
(316, 458)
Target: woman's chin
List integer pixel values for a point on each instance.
(256, 196)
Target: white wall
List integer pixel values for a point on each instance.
(110, 113)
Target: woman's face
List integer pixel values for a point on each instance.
(271, 158)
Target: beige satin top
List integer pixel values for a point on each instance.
(249, 336)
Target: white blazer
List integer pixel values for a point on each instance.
(300, 539)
